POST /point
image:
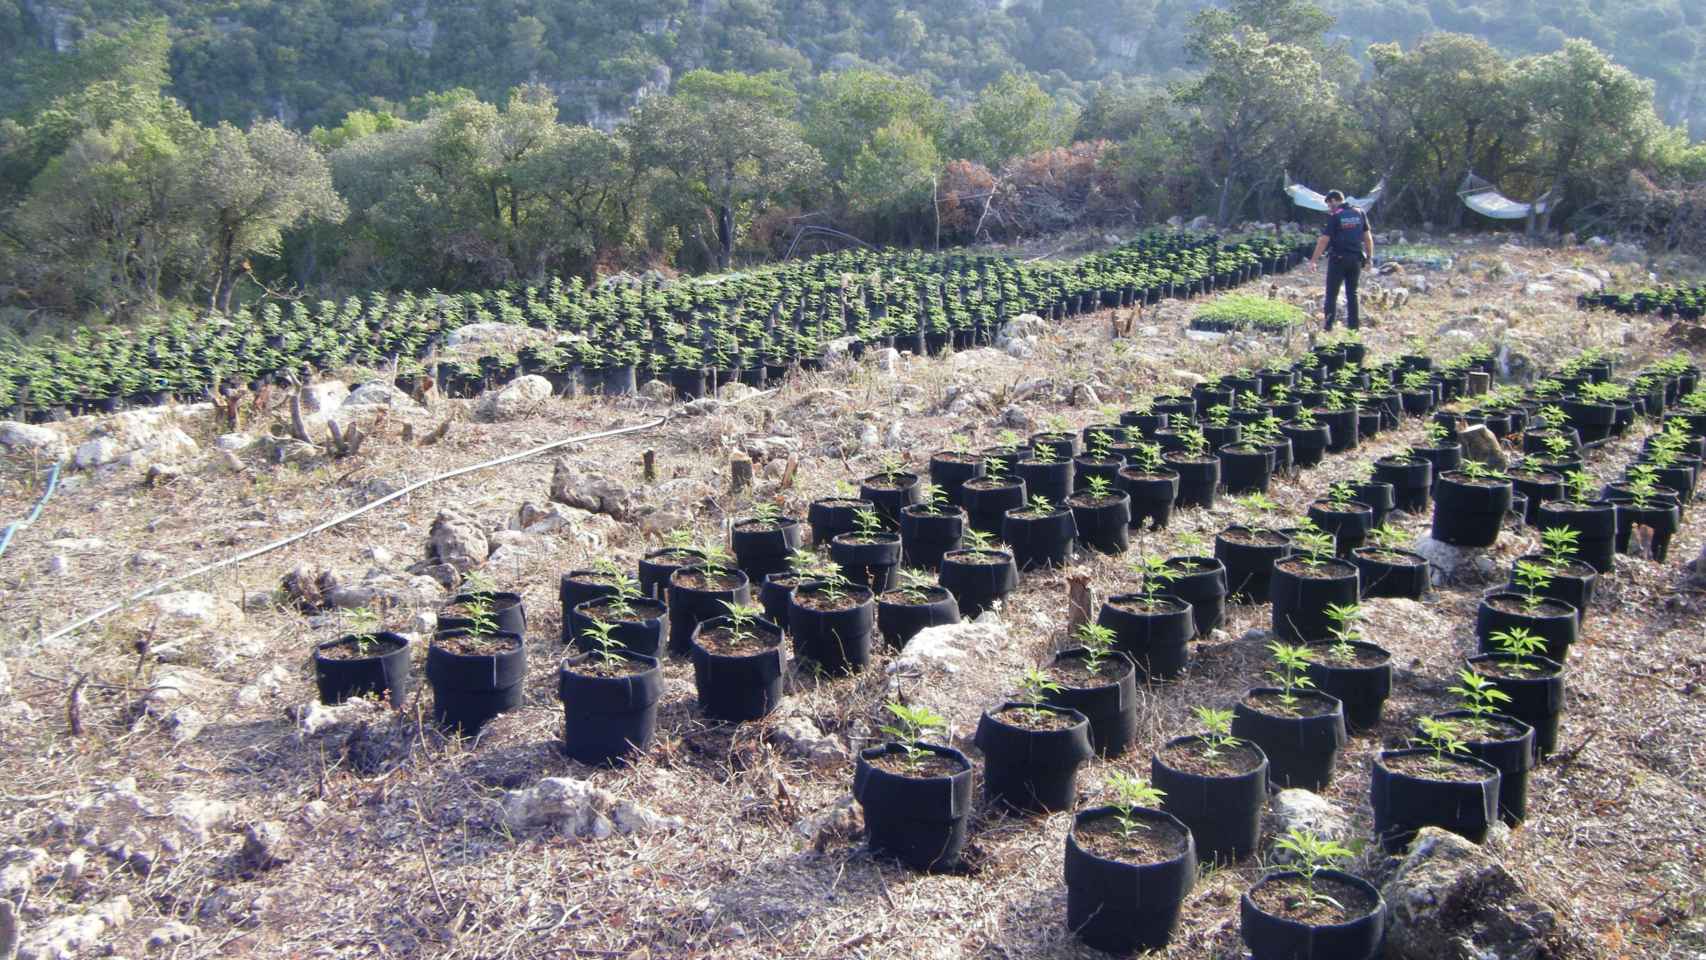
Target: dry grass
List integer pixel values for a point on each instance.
(411, 860)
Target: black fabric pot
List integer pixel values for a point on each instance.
(1538, 489)
(900, 622)
(691, 606)
(1596, 524)
(1308, 444)
(925, 535)
(1341, 427)
(1442, 458)
(1032, 771)
(1146, 423)
(1221, 436)
(1469, 514)
(576, 587)
(1362, 690)
(1250, 566)
(1513, 756)
(738, 688)
(1152, 497)
(1111, 707)
(838, 641)
(1245, 471)
(950, 473)
(761, 552)
(643, 634)
(1410, 482)
(1064, 446)
(384, 675)
(507, 610)
(1224, 814)
(1085, 469)
(773, 596)
(688, 384)
(1536, 698)
(607, 719)
(1198, 480)
(1368, 423)
(1383, 577)
(1126, 907)
(1103, 527)
(1349, 526)
(889, 494)
(1300, 602)
(1555, 620)
(1052, 481)
(987, 505)
(1664, 519)
(977, 586)
(1271, 937)
(468, 690)
(658, 566)
(1158, 642)
(1403, 804)
(919, 820)
(1202, 584)
(1382, 497)
(833, 516)
(1572, 583)
(867, 564)
(1301, 750)
(1039, 541)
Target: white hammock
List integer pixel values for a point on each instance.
(1310, 200)
(1485, 199)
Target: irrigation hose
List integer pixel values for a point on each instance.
(12, 528)
(325, 525)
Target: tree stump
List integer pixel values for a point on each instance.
(740, 472)
(1080, 602)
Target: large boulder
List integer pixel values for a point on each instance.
(521, 397)
(29, 440)
(575, 487)
(378, 394)
(457, 541)
(1450, 900)
(319, 402)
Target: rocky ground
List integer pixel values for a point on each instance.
(172, 790)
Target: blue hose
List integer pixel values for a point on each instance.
(11, 528)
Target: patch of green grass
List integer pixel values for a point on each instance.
(1243, 311)
(1419, 254)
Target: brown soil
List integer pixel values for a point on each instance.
(991, 558)
(1076, 674)
(1397, 558)
(1246, 536)
(1427, 766)
(1177, 456)
(823, 603)
(1335, 901)
(899, 481)
(1088, 462)
(865, 539)
(487, 645)
(1298, 566)
(1512, 603)
(913, 596)
(608, 667)
(957, 457)
(1571, 506)
(591, 576)
(764, 525)
(675, 558)
(851, 502)
(1152, 841)
(1328, 506)
(1508, 670)
(985, 483)
(1131, 474)
(931, 765)
(1192, 756)
(1324, 654)
(606, 610)
(1305, 705)
(1145, 607)
(723, 642)
(1028, 718)
(1088, 500)
(1483, 729)
(1538, 476)
(1465, 480)
(349, 649)
(699, 580)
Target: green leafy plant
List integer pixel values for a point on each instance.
(742, 619)
(1290, 671)
(1217, 730)
(1155, 574)
(1315, 546)
(1098, 644)
(1520, 644)
(867, 524)
(601, 638)
(1098, 487)
(1532, 578)
(908, 728)
(1130, 794)
(1310, 855)
(1560, 545)
(1345, 630)
(364, 625)
(1580, 487)
(1443, 738)
(1480, 697)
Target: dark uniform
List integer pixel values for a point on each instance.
(1344, 231)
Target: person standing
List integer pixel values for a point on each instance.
(1348, 241)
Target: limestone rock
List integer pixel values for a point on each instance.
(188, 610)
(1022, 327)
(97, 452)
(735, 392)
(129, 827)
(170, 934)
(521, 397)
(377, 394)
(702, 407)
(20, 868)
(314, 719)
(265, 845)
(64, 938)
(319, 402)
(1451, 564)
(842, 819)
(1449, 899)
(589, 492)
(798, 736)
(30, 440)
(1295, 809)
(1479, 444)
(457, 541)
(657, 391)
(887, 361)
(947, 647)
(576, 807)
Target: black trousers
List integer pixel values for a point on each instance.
(1345, 271)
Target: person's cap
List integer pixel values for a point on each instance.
(1334, 196)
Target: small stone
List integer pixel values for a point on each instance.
(148, 558)
(576, 807)
(59, 566)
(235, 442)
(886, 361)
(66, 937)
(520, 398)
(170, 934)
(97, 452)
(378, 394)
(1450, 564)
(702, 407)
(189, 610)
(590, 492)
(735, 392)
(657, 391)
(1294, 809)
(799, 736)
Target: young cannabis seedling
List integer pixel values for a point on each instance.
(601, 636)
(1098, 488)
(1560, 545)
(1034, 688)
(742, 619)
(1217, 730)
(1344, 630)
(867, 524)
(1532, 578)
(1440, 736)
(1290, 673)
(1311, 854)
(1479, 696)
(1315, 546)
(1147, 457)
(1520, 644)
(1130, 793)
(1156, 574)
(914, 586)
(364, 624)
(909, 728)
(1098, 644)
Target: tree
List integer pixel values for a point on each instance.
(894, 176)
(847, 108)
(1250, 104)
(254, 185)
(725, 142)
(1013, 117)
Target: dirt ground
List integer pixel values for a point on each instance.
(392, 842)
